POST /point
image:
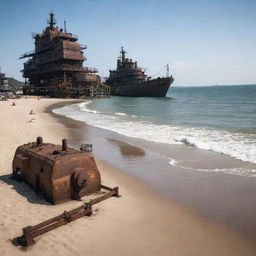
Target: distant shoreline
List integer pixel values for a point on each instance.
(211, 85)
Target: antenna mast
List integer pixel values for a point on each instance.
(65, 29)
(167, 70)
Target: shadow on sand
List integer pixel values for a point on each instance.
(24, 189)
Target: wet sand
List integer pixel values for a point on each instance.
(139, 223)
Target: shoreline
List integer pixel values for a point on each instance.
(225, 198)
(138, 223)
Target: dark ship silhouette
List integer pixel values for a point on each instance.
(55, 68)
(129, 80)
(4, 85)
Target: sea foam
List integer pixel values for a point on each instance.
(238, 145)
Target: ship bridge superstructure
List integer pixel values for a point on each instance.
(127, 69)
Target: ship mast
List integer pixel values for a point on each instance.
(123, 54)
(52, 20)
(167, 70)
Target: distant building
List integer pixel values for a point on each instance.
(55, 67)
(4, 85)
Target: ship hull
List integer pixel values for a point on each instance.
(151, 88)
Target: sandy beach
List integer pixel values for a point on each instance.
(141, 222)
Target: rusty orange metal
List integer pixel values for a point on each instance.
(58, 172)
(31, 232)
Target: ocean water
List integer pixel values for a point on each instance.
(216, 118)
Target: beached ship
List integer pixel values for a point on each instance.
(130, 80)
(55, 68)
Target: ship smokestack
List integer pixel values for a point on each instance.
(64, 145)
(123, 54)
(39, 141)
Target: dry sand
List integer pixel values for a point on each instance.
(138, 223)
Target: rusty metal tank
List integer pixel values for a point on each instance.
(58, 172)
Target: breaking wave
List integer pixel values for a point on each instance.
(120, 114)
(235, 171)
(238, 145)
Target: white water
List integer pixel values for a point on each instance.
(238, 145)
(235, 171)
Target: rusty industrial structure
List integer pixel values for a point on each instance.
(4, 84)
(130, 80)
(31, 232)
(7, 89)
(59, 173)
(55, 68)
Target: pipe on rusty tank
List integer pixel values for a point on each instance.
(64, 145)
(39, 141)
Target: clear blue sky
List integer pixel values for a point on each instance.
(205, 42)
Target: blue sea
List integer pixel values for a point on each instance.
(215, 118)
